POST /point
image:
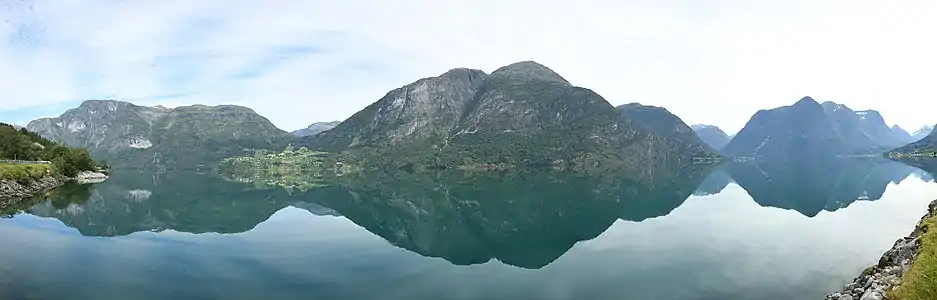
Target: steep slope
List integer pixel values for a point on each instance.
(926, 146)
(788, 132)
(315, 128)
(521, 114)
(128, 135)
(873, 125)
(901, 134)
(663, 123)
(712, 135)
(922, 133)
(848, 124)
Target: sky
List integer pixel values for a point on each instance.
(296, 62)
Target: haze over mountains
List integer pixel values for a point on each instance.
(808, 128)
(712, 136)
(315, 128)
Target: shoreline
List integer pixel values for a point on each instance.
(880, 279)
(12, 192)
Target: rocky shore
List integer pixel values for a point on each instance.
(877, 280)
(12, 191)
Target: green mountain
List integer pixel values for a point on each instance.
(663, 123)
(132, 136)
(926, 146)
(521, 114)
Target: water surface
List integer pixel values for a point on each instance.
(741, 231)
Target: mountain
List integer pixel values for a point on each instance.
(662, 122)
(521, 114)
(926, 146)
(922, 133)
(128, 135)
(315, 128)
(901, 134)
(712, 135)
(808, 129)
(873, 126)
(788, 132)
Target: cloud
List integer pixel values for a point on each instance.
(296, 62)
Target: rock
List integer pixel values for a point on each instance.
(88, 177)
(877, 280)
(844, 297)
(12, 191)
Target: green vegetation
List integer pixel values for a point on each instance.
(43, 156)
(920, 282)
(24, 173)
(302, 169)
(924, 154)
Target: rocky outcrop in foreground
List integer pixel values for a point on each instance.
(11, 191)
(877, 280)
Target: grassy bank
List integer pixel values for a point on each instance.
(920, 282)
(24, 173)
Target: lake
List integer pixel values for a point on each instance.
(738, 231)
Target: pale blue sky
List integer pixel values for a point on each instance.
(295, 62)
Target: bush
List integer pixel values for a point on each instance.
(24, 173)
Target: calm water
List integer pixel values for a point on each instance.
(737, 232)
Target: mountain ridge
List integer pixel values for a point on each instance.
(521, 114)
(130, 135)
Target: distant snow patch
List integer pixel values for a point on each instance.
(112, 107)
(76, 126)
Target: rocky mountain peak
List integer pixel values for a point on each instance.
(871, 115)
(464, 74)
(806, 100)
(530, 70)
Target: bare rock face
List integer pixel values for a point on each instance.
(129, 135)
(522, 114)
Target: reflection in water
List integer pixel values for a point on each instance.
(498, 235)
(519, 218)
(810, 187)
(717, 181)
(525, 219)
(188, 202)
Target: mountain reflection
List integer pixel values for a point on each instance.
(523, 218)
(187, 202)
(809, 187)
